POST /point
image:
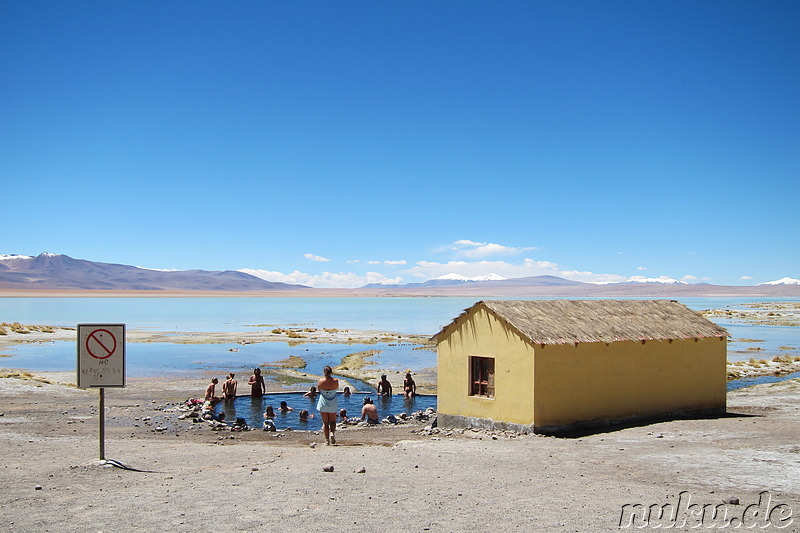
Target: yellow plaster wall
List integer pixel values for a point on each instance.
(595, 381)
(479, 333)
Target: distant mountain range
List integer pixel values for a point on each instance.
(492, 280)
(59, 272)
(553, 286)
(52, 272)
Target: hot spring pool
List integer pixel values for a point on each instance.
(252, 409)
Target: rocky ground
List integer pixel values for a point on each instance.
(408, 477)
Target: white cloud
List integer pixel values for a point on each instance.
(591, 277)
(477, 250)
(746, 278)
(398, 262)
(660, 279)
(641, 268)
(318, 258)
(328, 280)
(528, 267)
(689, 278)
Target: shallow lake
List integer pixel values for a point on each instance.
(403, 315)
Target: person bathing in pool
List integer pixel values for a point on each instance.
(370, 412)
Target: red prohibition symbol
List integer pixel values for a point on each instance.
(101, 344)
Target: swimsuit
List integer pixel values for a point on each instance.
(327, 402)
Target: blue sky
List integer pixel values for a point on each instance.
(340, 143)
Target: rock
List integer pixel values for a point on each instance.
(361, 470)
(254, 469)
(327, 468)
(312, 445)
(731, 501)
(38, 487)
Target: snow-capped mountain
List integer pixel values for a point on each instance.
(662, 279)
(489, 280)
(54, 271)
(782, 281)
(458, 277)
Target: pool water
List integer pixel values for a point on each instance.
(252, 409)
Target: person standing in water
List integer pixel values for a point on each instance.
(229, 388)
(256, 382)
(409, 387)
(384, 387)
(327, 404)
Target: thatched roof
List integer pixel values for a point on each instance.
(571, 321)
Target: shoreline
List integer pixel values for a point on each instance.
(478, 290)
(359, 367)
(280, 375)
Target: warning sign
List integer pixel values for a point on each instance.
(101, 355)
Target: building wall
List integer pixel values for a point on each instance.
(630, 379)
(479, 333)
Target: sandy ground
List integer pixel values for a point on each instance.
(395, 478)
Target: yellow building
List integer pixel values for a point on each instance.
(559, 365)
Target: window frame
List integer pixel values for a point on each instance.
(481, 377)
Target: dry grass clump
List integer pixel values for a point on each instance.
(356, 361)
(292, 361)
(25, 375)
(291, 333)
(22, 329)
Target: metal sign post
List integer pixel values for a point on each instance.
(101, 364)
(102, 434)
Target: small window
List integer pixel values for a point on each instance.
(482, 376)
